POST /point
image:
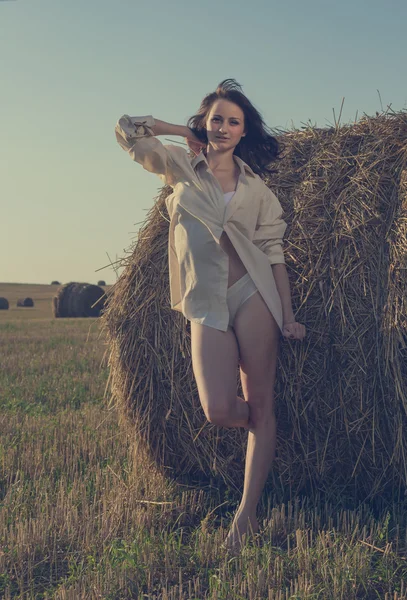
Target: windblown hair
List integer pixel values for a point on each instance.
(258, 148)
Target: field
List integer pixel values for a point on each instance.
(84, 516)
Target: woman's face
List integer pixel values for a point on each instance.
(225, 119)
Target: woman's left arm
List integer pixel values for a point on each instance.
(283, 286)
(268, 236)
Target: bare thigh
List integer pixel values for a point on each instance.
(258, 336)
(215, 359)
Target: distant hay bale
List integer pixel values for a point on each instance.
(3, 304)
(78, 300)
(101, 282)
(25, 302)
(55, 283)
(341, 393)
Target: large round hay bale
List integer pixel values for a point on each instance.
(3, 303)
(25, 302)
(101, 282)
(341, 394)
(78, 300)
(60, 300)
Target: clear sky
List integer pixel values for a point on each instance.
(70, 196)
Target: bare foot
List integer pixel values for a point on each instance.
(243, 527)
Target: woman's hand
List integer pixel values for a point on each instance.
(194, 143)
(294, 330)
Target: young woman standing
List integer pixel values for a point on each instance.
(227, 268)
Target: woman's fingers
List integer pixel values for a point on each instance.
(194, 146)
(294, 331)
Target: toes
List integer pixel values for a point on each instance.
(241, 530)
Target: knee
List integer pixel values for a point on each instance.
(261, 411)
(218, 415)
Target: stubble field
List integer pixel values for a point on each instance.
(84, 516)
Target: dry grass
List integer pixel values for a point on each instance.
(84, 516)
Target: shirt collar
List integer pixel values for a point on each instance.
(241, 163)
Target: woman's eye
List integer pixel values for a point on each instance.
(217, 119)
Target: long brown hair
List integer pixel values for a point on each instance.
(258, 148)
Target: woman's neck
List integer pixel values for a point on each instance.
(221, 162)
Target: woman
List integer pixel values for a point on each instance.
(226, 266)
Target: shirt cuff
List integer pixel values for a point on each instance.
(135, 127)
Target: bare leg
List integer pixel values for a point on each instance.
(260, 453)
(215, 359)
(239, 415)
(258, 337)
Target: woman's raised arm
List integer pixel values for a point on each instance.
(136, 135)
(163, 128)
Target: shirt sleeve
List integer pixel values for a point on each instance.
(134, 134)
(270, 228)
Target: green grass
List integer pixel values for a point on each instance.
(83, 516)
